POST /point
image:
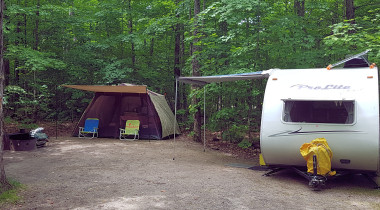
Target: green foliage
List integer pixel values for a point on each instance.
(28, 125)
(115, 72)
(222, 119)
(112, 42)
(191, 133)
(198, 93)
(11, 196)
(235, 133)
(9, 120)
(245, 144)
(19, 103)
(356, 37)
(33, 60)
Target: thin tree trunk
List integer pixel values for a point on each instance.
(195, 72)
(177, 51)
(36, 39)
(299, 7)
(17, 42)
(122, 29)
(350, 10)
(6, 65)
(183, 96)
(25, 24)
(336, 15)
(151, 52)
(4, 184)
(151, 48)
(177, 47)
(130, 26)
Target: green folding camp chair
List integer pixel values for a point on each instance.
(132, 128)
(90, 128)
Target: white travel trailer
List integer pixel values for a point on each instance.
(340, 105)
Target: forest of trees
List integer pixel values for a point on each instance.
(48, 43)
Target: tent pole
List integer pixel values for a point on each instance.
(175, 112)
(204, 118)
(56, 112)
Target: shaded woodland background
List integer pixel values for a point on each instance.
(48, 43)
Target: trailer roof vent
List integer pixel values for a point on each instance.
(362, 61)
(355, 61)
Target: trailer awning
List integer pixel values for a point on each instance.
(203, 80)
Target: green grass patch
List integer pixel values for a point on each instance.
(11, 196)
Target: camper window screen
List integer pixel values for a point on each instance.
(335, 112)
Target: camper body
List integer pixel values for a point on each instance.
(300, 105)
(340, 105)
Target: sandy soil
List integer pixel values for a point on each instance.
(73, 173)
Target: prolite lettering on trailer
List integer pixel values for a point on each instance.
(326, 87)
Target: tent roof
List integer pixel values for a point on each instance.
(111, 89)
(225, 78)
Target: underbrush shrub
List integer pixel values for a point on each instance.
(245, 144)
(235, 133)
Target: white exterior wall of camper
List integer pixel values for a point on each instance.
(353, 138)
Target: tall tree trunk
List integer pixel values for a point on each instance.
(151, 48)
(36, 37)
(17, 42)
(122, 29)
(6, 65)
(179, 63)
(130, 26)
(251, 100)
(195, 72)
(4, 184)
(177, 46)
(36, 42)
(25, 24)
(336, 16)
(183, 96)
(177, 53)
(299, 7)
(151, 52)
(349, 10)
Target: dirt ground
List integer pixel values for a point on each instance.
(73, 173)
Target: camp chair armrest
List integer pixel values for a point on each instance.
(122, 130)
(94, 130)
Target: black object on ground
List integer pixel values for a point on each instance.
(22, 141)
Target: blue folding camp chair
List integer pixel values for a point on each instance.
(90, 128)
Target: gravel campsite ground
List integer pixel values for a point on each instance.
(73, 173)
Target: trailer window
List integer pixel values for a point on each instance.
(335, 112)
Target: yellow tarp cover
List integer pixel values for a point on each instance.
(321, 149)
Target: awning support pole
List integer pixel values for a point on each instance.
(175, 113)
(204, 118)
